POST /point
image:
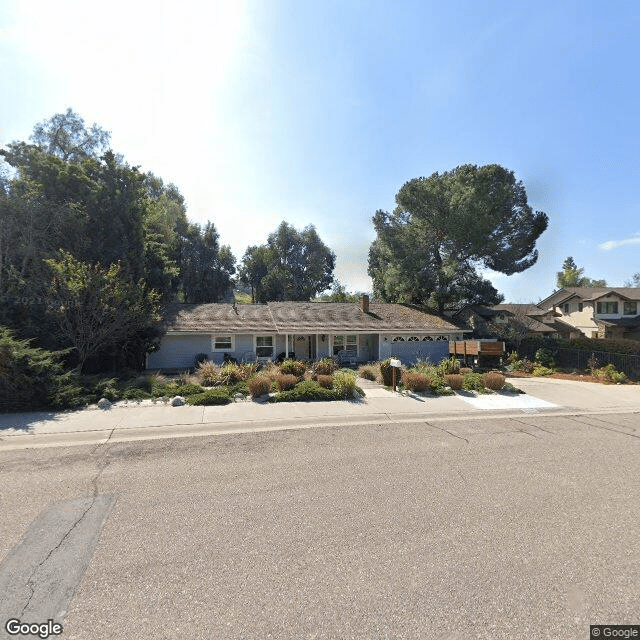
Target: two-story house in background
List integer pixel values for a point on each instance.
(604, 312)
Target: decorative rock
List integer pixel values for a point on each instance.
(104, 404)
(177, 401)
(238, 396)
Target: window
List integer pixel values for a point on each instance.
(630, 309)
(264, 346)
(608, 307)
(222, 343)
(342, 342)
(580, 306)
(566, 308)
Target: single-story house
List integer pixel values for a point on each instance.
(597, 312)
(368, 331)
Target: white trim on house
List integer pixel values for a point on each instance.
(273, 337)
(332, 337)
(232, 343)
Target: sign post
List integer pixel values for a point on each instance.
(395, 364)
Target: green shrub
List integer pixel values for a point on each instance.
(367, 373)
(325, 381)
(473, 382)
(325, 367)
(307, 390)
(449, 365)
(509, 387)
(134, 394)
(444, 391)
(454, 380)
(294, 368)
(437, 383)
(285, 382)
(188, 389)
(423, 366)
(259, 386)
(210, 397)
(608, 372)
(542, 371)
(493, 380)
(545, 357)
(415, 381)
(344, 382)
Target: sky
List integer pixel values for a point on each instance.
(318, 112)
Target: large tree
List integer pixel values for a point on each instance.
(293, 265)
(444, 228)
(65, 135)
(95, 307)
(206, 268)
(571, 276)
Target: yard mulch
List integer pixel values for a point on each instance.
(584, 377)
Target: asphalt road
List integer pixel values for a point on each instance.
(496, 528)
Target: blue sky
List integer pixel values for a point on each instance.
(318, 112)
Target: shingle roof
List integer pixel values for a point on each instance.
(590, 293)
(302, 317)
(525, 309)
(218, 318)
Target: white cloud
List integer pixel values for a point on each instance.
(615, 244)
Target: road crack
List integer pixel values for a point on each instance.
(94, 484)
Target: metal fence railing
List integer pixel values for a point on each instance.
(579, 359)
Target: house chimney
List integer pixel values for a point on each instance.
(365, 303)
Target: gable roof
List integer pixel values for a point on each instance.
(301, 317)
(589, 294)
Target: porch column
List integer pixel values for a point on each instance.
(286, 346)
(317, 346)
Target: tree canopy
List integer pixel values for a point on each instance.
(69, 195)
(293, 265)
(571, 276)
(447, 226)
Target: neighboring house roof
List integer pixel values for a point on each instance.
(589, 294)
(482, 311)
(302, 317)
(630, 323)
(521, 309)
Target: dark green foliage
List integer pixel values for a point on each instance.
(217, 396)
(545, 357)
(188, 389)
(511, 389)
(30, 378)
(307, 390)
(473, 382)
(205, 267)
(447, 225)
(293, 265)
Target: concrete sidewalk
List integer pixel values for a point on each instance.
(133, 421)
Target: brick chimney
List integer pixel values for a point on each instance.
(365, 303)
